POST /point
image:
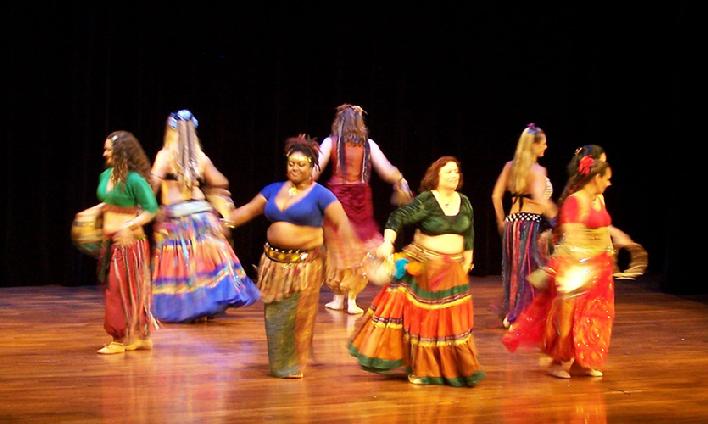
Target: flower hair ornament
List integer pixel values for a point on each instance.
(585, 164)
(182, 115)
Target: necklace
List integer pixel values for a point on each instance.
(293, 190)
(446, 202)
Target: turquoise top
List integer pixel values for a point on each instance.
(135, 191)
(425, 211)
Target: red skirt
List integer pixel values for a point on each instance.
(577, 327)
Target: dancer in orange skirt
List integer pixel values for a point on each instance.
(571, 320)
(423, 321)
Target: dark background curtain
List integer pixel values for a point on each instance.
(450, 78)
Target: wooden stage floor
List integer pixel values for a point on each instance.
(217, 371)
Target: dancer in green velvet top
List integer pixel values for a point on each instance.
(423, 321)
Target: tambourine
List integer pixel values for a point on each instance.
(87, 231)
(575, 279)
(378, 270)
(638, 260)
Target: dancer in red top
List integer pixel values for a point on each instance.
(353, 154)
(572, 318)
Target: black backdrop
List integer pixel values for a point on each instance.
(448, 78)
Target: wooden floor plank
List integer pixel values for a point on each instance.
(217, 371)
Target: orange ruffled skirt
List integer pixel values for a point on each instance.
(423, 322)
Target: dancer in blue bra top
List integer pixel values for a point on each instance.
(291, 269)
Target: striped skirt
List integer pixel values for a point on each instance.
(127, 292)
(290, 281)
(196, 272)
(520, 257)
(423, 321)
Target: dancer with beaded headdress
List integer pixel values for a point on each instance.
(196, 272)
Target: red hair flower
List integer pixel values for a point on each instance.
(585, 165)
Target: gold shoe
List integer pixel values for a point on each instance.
(112, 348)
(592, 372)
(354, 310)
(140, 344)
(558, 371)
(415, 380)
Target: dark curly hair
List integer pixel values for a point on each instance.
(432, 174)
(127, 155)
(305, 145)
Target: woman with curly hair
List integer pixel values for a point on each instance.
(196, 273)
(353, 155)
(128, 203)
(291, 269)
(530, 192)
(424, 320)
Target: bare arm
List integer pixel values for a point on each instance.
(158, 170)
(212, 176)
(144, 218)
(385, 169)
(322, 158)
(248, 211)
(386, 247)
(620, 238)
(468, 261)
(497, 194)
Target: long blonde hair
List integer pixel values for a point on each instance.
(524, 158)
